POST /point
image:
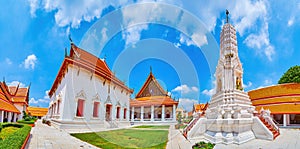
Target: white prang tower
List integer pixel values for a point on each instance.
(229, 101)
(229, 117)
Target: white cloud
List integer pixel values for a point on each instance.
(261, 42)
(196, 39)
(291, 21)
(34, 5)
(41, 101)
(249, 84)
(8, 61)
(133, 34)
(187, 103)
(209, 92)
(30, 61)
(185, 89)
(33, 101)
(16, 83)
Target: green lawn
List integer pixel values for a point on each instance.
(126, 138)
(7, 131)
(153, 126)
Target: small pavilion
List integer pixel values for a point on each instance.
(152, 103)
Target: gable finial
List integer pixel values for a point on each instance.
(70, 38)
(227, 13)
(66, 52)
(150, 69)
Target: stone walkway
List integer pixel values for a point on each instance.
(288, 139)
(46, 137)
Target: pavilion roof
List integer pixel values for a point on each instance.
(152, 100)
(37, 111)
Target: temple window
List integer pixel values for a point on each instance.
(125, 110)
(80, 105)
(118, 112)
(95, 110)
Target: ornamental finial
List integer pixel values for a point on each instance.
(227, 13)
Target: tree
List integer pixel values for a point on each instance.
(291, 76)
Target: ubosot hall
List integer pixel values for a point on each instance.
(86, 95)
(282, 100)
(13, 101)
(152, 103)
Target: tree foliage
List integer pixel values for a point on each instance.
(291, 76)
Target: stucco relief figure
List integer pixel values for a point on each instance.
(219, 85)
(238, 83)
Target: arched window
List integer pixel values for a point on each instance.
(80, 108)
(95, 110)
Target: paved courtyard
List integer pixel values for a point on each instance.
(289, 139)
(46, 137)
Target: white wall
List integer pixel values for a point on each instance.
(76, 86)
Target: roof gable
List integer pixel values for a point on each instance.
(151, 88)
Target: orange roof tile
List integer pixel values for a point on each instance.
(282, 98)
(89, 62)
(200, 107)
(8, 106)
(37, 111)
(153, 100)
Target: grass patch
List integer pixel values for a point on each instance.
(126, 138)
(13, 135)
(153, 126)
(7, 131)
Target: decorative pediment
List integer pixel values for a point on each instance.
(96, 97)
(118, 104)
(108, 100)
(81, 94)
(151, 88)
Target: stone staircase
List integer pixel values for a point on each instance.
(190, 125)
(273, 129)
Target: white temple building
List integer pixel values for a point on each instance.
(230, 116)
(87, 96)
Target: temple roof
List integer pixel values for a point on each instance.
(152, 93)
(37, 111)
(151, 88)
(153, 100)
(86, 60)
(6, 102)
(279, 99)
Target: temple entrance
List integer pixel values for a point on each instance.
(108, 112)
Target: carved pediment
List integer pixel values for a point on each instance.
(81, 94)
(108, 100)
(151, 88)
(96, 97)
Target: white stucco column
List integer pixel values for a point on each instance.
(152, 113)
(174, 112)
(163, 113)
(132, 114)
(9, 117)
(142, 113)
(15, 117)
(2, 115)
(287, 119)
(284, 120)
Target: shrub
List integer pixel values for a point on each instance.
(203, 145)
(26, 122)
(0, 127)
(17, 139)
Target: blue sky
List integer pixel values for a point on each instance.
(179, 40)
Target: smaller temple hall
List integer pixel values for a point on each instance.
(152, 103)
